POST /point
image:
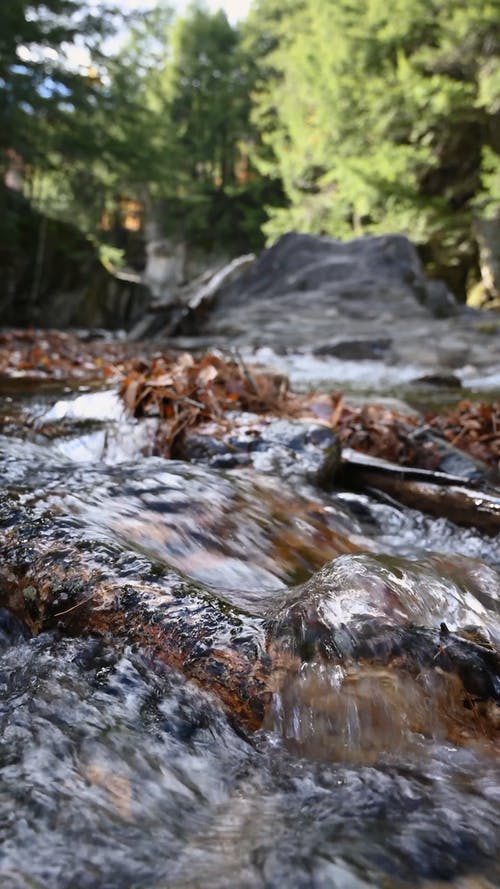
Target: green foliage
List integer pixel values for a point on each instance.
(488, 199)
(207, 83)
(340, 118)
(198, 104)
(49, 104)
(164, 122)
(37, 85)
(382, 118)
(112, 258)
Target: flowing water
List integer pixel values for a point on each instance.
(116, 773)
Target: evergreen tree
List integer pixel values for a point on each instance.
(204, 90)
(385, 118)
(37, 84)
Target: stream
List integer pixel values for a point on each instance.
(120, 773)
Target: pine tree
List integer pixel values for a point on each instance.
(383, 118)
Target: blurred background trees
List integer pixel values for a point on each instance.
(315, 115)
(385, 118)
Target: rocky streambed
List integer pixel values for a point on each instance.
(227, 660)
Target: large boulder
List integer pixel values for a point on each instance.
(321, 283)
(365, 299)
(363, 266)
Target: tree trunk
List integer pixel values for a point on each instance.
(488, 240)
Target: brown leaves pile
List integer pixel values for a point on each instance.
(187, 391)
(374, 429)
(472, 427)
(53, 355)
(184, 392)
(380, 432)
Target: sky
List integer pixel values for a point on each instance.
(234, 9)
(79, 58)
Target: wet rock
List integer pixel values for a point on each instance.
(359, 588)
(60, 568)
(49, 580)
(231, 531)
(286, 448)
(440, 381)
(376, 612)
(12, 630)
(356, 350)
(360, 609)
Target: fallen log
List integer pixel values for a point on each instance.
(436, 493)
(55, 576)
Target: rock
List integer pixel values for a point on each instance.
(306, 262)
(341, 297)
(356, 350)
(438, 381)
(363, 300)
(286, 448)
(440, 300)
(54, 574)
(370, 607)
(452, 351)
(180, 624)
(64, 284)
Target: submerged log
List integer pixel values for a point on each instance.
(436, 493)
(55, 576)
(52, 576)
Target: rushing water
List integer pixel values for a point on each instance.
(119, 774)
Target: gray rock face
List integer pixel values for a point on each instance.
(363, 300)
(340, 299)
(362, 280)
(52, 277)
(306, 262)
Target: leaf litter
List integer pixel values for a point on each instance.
(184, 392)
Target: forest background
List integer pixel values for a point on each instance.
(321, 116)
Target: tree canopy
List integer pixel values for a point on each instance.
(383, 118)
(328, 117)
(38, 84)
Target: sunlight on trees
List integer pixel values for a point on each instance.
(333, 119)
